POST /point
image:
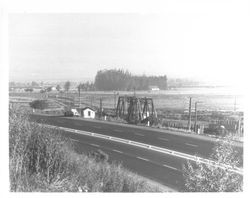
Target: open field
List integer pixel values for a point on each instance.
(212, 99)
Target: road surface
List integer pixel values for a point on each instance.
(201, 147)
(160, 167)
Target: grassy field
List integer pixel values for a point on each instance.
(211, 99)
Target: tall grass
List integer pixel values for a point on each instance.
(41, 159)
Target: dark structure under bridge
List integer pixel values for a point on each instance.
(136, 110)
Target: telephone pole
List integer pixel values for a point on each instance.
(195, 122)
(100, 107)
(114, 100)
(79, 89)
(115, 94)
(189, 116)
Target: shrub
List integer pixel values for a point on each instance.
(39, 104)
(98, 156)
(28, 90)
(201, 177)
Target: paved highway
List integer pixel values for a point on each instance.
(200, 146)
(159, 167)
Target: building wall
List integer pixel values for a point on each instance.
(154, 88)
(88, 113)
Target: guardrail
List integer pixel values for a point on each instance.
(155, 148)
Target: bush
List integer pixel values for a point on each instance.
(28, 90)
(39, 104)
(201, 177)
(98, 156)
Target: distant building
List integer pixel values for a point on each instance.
(25, 88)
(53, 88)
(87, 112)
(153, 88)
(37, 89)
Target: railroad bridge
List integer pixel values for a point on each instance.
(136, 110)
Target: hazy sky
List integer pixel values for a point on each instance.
(208, 45)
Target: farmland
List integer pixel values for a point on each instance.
(212, 99)
(215, 104)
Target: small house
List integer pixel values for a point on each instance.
(154, 88)
(87, 112)
(53, 88)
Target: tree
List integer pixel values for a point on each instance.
(58, 87)
(48, 89)
(28, 89)
(34, 84)
(79, 87)
(114, 79)
(12, 84)
(200, 177)
(39, 104)
(67, 86)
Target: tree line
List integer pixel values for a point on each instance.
(88, 86)
(118, 79)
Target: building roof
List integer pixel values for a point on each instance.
(87, 108)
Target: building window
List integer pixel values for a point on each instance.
(89, 113)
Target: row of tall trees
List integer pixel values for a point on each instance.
(88, 86)
(117, 79)
(112, 79)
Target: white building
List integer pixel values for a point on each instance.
(87, 112)
(154, 88)
(53, 89)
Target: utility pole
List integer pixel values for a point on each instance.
(239, 127)
(100, 107)
(114, 100)
(115, 94)
(195, 122)
(79, 89)
(189, 116)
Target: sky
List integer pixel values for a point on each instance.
(209, 43)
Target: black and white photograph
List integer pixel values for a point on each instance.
(116, 97)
